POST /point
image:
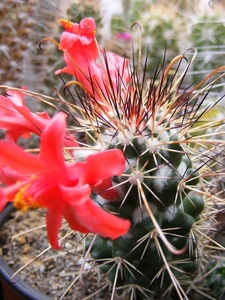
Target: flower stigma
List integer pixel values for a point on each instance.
(66, 23)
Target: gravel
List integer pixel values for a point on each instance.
(53, 272)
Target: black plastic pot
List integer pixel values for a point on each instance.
(16, 289)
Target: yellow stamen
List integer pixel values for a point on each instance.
(22, 202)
(66, 24)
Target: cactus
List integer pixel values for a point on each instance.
(162, 30)
(207, 37)
(165, 190)
(22, 26)
(173, 27)
(16, 28)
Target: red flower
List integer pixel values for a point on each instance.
(18, 120)
(81, 51)
(64, 189)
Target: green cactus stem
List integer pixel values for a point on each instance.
(164, 189)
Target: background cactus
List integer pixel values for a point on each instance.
(162, 29)
(207, 36)
(23, 24)
(172, 27)
(17, 23)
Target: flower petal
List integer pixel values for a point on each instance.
(103, 165)
(18, 119)
(106, 190)
(53, 224)
(36, 122)
(69, 213)
(52, 143)
(17, 97)
(88, 217)
(75, 193)
(83, 215)
(11, 120)
(15, 158)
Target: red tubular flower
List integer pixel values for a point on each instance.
(81, 51)
(18, 120)
(64, 189)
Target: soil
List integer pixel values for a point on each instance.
(54, 272)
